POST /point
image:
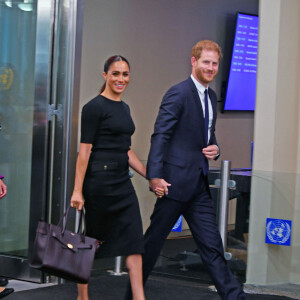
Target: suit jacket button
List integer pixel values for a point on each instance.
(105, 167)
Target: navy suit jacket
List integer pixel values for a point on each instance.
(178, 139)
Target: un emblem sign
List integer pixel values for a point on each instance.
(278, 232)
(6, 78)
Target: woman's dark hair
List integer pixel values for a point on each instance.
(108, 63)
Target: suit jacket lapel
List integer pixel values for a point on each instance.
(199, 108)
(213, 103)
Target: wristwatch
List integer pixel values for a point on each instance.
(1, 177)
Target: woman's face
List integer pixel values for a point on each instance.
(117, 77)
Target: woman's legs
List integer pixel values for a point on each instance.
(82, 291)
(134, 266)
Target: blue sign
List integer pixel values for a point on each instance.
(241, 89)
(178, 225)
(278, 232)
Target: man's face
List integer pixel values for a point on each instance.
(205, 69)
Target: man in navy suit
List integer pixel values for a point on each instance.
(178, 163)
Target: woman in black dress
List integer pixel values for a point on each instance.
(102, 178)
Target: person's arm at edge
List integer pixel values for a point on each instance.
(3, 188)
(81, 166)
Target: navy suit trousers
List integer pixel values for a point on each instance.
(200, 215)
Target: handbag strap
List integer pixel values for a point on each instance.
(64, 218)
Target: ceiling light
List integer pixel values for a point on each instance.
(26, 6)
(8, 3)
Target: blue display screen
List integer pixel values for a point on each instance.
(241, 88)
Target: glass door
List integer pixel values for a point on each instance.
(18, 34)
(38, 116)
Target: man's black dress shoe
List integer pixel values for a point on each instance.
(6, 292)
(3, 281)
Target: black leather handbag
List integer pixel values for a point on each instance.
(63, 253)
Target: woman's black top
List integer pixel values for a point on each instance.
(107, 125)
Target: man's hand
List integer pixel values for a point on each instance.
(159, 186)
(210, 152)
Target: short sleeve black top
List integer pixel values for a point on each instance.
(106, 124)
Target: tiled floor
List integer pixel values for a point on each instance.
(113, 288)
(288, 290)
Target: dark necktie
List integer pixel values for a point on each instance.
(206, 119)
(206, 116)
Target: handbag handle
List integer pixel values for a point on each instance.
(64, 219)
(82, 221)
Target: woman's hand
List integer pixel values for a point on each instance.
(159, 185)
(81, 165)
(77, 201)
(159, 192)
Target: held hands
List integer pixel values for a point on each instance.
(210, 152)
(159, 186)
(77, 201)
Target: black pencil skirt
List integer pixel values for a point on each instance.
(112, 209)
